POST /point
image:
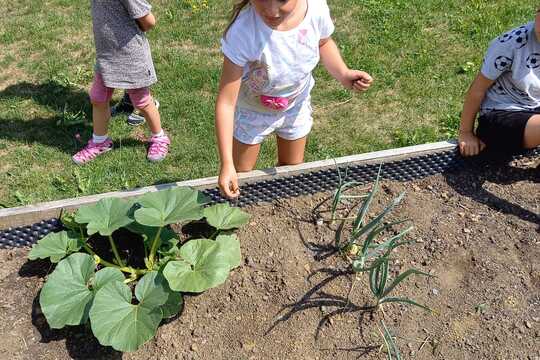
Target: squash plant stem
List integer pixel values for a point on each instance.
(155, 245)
(115, 251)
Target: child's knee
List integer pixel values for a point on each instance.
(243, 168)
(531, 136)
(290, 162)
(140, 98)
(99, 93)
(99, 102)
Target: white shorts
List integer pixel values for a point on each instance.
(251, 127)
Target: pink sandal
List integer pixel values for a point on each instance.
(159, 148)
(91, 151)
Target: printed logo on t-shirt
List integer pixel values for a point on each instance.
(519, 36)
(257, 78)
(503, 63)
(533, 61)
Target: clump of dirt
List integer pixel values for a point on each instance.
(477, 231)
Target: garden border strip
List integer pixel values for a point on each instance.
(401, 164)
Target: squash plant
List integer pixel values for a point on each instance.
(123, 301)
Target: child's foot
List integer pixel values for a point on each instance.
(159, 148)
(91, 151)
(123, 106)
(136, 118)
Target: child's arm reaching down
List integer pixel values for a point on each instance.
(146, 22)
(332, 61)
(229, 87)
(469, 143)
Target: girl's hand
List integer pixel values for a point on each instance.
(228, 182)
(469, 144)
(356, 80)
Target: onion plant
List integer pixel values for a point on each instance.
(123, 301)
(392, 350)
(381, 289)
(371, 255)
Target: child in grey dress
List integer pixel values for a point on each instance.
(123, 61)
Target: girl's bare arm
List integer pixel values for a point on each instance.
(147, 22)
(334, 64)
(229, 86)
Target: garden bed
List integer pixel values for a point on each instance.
(478, 232)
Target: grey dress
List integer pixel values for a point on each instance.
(123, 56)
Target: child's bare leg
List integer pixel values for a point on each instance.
(100, 117)
(159, 141)
(531, 138)
(151, 114)
(142, 100)
(291, 152)
(245, 156)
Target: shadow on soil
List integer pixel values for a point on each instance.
(495, 169)
(71, 114)
(318, 297)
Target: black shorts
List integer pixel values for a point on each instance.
(503, 130)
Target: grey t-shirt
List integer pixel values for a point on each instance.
(513, 61)
(123, 56)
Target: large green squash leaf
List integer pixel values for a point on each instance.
(168, 237)
(56, 246)
(106, 216)
(229, 246)
(118, 323)
(223, 216)
(155, 287)
(202, 267)
(173, 305)
(105, 276)
(67, 295)
(170, 206)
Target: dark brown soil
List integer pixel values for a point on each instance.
(479, 234)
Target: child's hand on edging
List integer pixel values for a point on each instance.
(470, 144)
(357, 80)
(228, 182)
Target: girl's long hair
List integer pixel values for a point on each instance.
(237, 9)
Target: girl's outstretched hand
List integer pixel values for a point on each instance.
(357, 80)
(228, 182)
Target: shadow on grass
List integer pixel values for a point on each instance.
(494, 168)
(55, 97)
(72, 114)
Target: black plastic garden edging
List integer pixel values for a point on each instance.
(303, 184)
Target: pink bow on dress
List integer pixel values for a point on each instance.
(274, 102)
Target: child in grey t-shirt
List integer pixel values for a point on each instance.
(506, 95)
(123, 61)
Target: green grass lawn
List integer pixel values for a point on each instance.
(417, 51)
